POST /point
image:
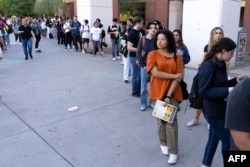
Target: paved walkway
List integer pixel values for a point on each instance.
(108, 131)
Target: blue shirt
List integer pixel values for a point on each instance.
(148, 46)
(76, 26)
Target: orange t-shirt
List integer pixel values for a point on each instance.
(158, 87)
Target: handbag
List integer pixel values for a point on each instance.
(184, 91)
(104, 44)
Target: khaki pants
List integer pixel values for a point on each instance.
(168, 132)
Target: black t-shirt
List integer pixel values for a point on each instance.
(205, 49)
(134, 37)
(238, 108)
(26, 32)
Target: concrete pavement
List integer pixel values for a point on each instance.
(108, 131)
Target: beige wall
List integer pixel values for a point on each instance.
(246, 24)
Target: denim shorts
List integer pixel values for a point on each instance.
(95, 42)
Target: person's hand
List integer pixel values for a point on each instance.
(137, 62)
(179, 77)
(230, 89)
(167, 100)
(240, 77)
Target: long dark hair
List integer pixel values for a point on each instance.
(171, 47)
(180, 42)
(225, 43)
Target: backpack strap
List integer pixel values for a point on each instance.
(143, 46)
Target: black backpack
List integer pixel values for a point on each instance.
(194, 99)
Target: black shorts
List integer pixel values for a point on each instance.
(85, 40)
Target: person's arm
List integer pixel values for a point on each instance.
(171, 90)
(33, 35)
(139, 51)
(70, 27)
(241, 139)
(175, 82)
(91, 35)
(186, 56)
(163, 75)
(130, 47)
(19, 31)
(109, 30)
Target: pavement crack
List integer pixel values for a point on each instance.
(33, 130)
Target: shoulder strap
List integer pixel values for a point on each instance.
(143, 46)
(143, 42)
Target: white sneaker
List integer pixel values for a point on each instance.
(102, 54)
(193, 122)
(164, 149)
(204, 166)
(172, 158)
(114, 58)
(208, 126)
(118, 57)
(83, 51)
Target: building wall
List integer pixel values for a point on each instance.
(246, 24)
(71, 8)
(155, 9)
(197, 24)
(175, 14)
(161, 12)
(116, 7)
(152, 10)
(93, 9)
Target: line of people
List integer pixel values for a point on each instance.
(77, 36)
(153, 57)
(160, 56)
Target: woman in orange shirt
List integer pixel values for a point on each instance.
(166, 69)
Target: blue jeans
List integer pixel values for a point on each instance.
(144, 90)
(115, 47)
(27, 47)
(7, 39)
(216, 132)
(136, 76)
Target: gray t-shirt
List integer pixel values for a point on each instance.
(238, 108)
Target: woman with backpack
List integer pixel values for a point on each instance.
(216, 34)
(213, 88)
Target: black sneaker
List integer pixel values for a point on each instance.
(31, 56)
(136, 95)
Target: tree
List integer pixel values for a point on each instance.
(31, 7)
(17, 7)
(49, 7)
(130, 9)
